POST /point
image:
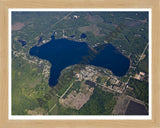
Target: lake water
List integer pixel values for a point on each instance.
(62, 53)
(22, 42)
(83, 35)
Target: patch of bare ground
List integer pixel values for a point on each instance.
(128, 18)
(92, 28)
(121, 106)
(136, 23)
(76, 100)
(37, 111)
(17, 26)
(94, 19)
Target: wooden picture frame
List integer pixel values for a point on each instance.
(4, 63)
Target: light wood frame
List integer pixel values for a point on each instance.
(4, 41)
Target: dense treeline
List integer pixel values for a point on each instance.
(140, 89)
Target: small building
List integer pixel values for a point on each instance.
(142, 73)
(140, 76)
(75, 16)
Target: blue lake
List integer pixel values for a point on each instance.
(83, 35)
(62, 53)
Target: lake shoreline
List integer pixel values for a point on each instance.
(62, 53)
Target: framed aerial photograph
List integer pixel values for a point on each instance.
(90, 62)
(88, 66)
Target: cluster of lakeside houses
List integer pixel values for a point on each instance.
(90, 75)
